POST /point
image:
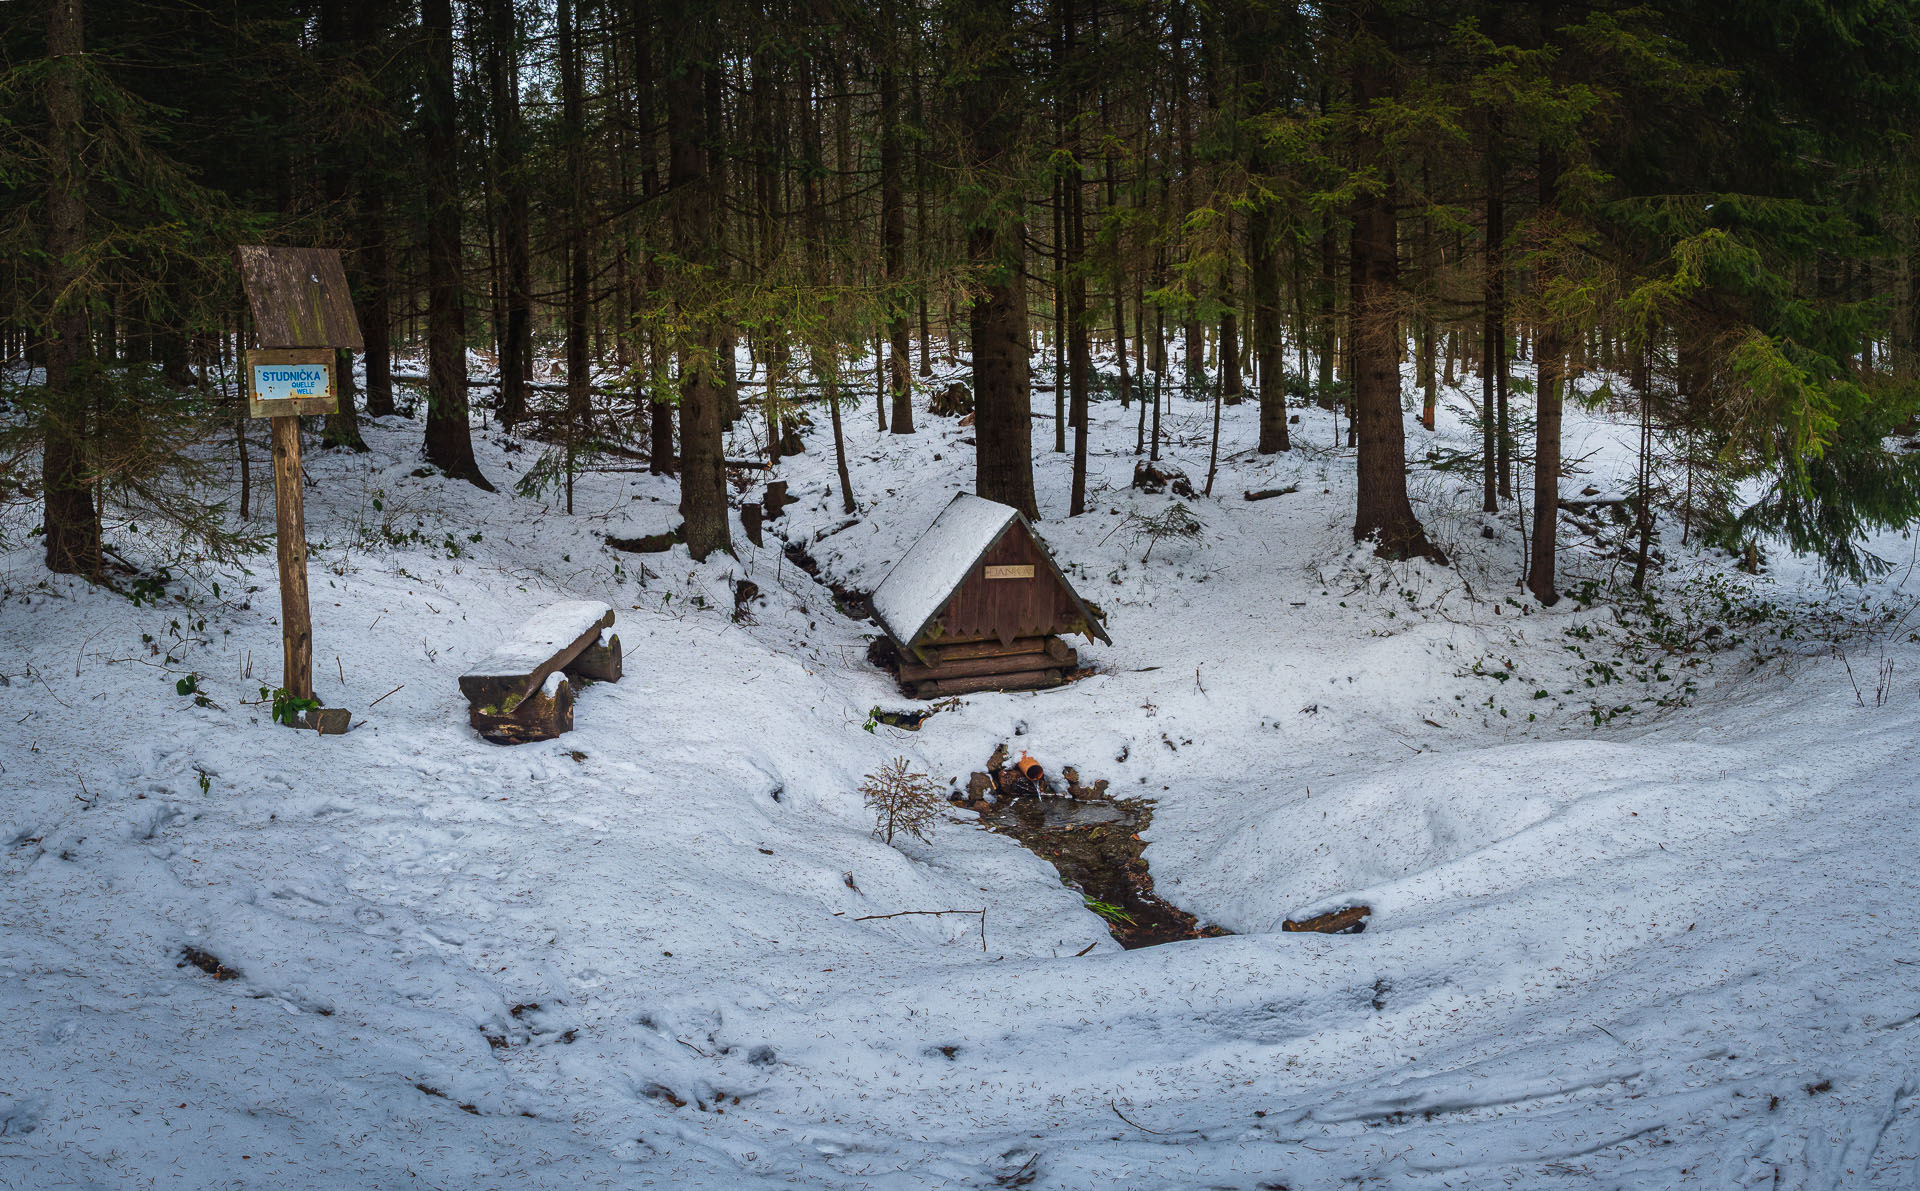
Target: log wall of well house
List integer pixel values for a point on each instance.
(1005, 609)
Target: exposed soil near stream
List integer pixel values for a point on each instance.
(1096, 846)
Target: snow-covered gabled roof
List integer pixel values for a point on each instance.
(925, 578)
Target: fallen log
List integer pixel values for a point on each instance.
(759, 464)
(1350, 921)
(1270, 493)
(653, 543)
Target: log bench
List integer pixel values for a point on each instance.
(520, 692)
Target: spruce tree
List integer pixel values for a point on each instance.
(449, 441)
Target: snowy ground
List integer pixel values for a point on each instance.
(1616, 942)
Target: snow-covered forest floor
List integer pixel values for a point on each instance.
(1642, 877)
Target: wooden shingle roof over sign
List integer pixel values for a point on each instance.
(958, 561)
(299, 297)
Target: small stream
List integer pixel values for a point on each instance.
(1096, 846)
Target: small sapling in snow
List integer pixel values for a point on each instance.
(901, 801)
(1176, 522)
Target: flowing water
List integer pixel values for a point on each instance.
(1096, 846)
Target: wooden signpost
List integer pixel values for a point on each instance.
(303, 314)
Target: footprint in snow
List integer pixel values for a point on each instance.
(20, 1117)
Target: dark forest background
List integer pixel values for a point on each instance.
(1356, 203)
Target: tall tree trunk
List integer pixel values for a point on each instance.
(1263, 254)
(1159, 379)
(373, 297)
(1328, 323)
(831, 387)
(1193, 336)
(1549, 352)
(1074, 224)
(627, 295)
(721, 258)
(69, 518)
(893, 232)
(1906, 319)
(1302, 319)
(703, 478)
(573, 137)
(1643, 473)
(1502, 364)
(1140, 328)
(342, 425)
(989, 107)
(1231, 388)
(1118, 280)
(1059, 313)
(1430, 393)
(1494, 350)
(1433, 260)
(1493, 332)
(920, 189)
(1079, 349)
(496, 273)
(514, 209)
(1383, 511)
(449, 438)
(662, 455)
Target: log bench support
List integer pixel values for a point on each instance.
(543, 715)
(598, 662)
(522, 691)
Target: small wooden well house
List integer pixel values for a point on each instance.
(978, 605)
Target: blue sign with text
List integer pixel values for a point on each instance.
(284, 382)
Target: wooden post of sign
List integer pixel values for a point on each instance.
(296, 614)
(303, 314)
(290, 524)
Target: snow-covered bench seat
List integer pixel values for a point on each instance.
(520, 692)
